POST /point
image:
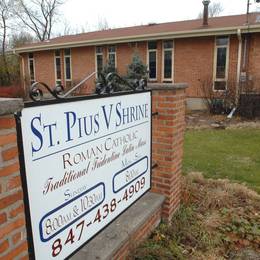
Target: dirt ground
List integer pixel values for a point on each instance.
(204, 120)
(217, 220)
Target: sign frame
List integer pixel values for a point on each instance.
(18, 115)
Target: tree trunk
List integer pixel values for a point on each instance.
(3, 49)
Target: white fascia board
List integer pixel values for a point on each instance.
(145, 37)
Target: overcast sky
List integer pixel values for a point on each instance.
(123, 13)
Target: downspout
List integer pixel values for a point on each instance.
(239, 59)
(239, 55)
(245, 53)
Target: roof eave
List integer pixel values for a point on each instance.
(145, 37)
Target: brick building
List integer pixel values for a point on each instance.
(218, 50)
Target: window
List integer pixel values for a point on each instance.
(99, 59)
(31, 68)
(67, 64)
(58, 67)
(112, 56)
(221, 63)
(167, 60)
(152, 60)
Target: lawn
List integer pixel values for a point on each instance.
(232, 154)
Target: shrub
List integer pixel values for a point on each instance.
(137, 69)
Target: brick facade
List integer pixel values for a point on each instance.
(254, 57)
(12, 219)
(193, 61)
(168, 135)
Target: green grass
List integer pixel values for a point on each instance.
(232, 154)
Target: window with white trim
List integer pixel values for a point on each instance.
(31, 67)
(167, 60)
(221, 63)
(99, 59)
(152, 60)
(67, 65)
(57, 60)
(112, 56)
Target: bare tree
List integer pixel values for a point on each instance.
(215, 9)
(102, 24)
(20, 39)
(84, 28)
(66, 30)
(38, 15)
(69, 29)
(5, 14)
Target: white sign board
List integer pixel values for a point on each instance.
(85, 163)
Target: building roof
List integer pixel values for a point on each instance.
(191, 28)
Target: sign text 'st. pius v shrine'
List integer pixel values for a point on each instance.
(84, 163)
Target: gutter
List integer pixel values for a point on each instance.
(145, 37)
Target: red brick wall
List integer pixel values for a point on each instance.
(233, 59)
(254, 57)
(44, 67)
(83, 64)
(168, 135)
(124, 57)
(193, 61)
(12, 220)
(83, 61)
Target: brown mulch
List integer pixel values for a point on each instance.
(217, 220)
(204, 120)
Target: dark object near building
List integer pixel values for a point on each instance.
(220, 106)
(250, 105)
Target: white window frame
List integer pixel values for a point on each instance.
(148, 61)
(113, 53)
(163, 50)
(215, 79)
(96, 55)
(29, 68)
(65, 72)
(55, 67)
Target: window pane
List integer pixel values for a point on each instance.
(99, 50)
(67, 52)
(99, 63)
(58, 68)
(152, 65)
(152, 45)
(222, 41)
(167, 44)
(111, 49)
(220, 85)
(167, 64)
(31, 69)
(57, 53)
(68, 70)
(30, 55)
(112, 61)
(221, 63)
